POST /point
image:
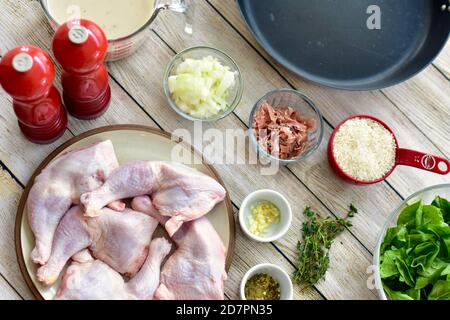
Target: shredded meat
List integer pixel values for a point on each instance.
(282, 132)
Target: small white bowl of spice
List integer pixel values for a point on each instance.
(265, 215)
(266, 282)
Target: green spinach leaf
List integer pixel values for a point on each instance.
(432, 274)
(388, 268)
(410, 215)
(441, 291)
(415, 255)
(444, 205)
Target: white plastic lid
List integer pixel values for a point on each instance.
(78, 34)
(22, 62)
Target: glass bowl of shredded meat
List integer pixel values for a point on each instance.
(286, 126)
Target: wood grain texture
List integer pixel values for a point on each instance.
(443, 61)
(141, 76)
(138, 98)
(335, 105)
(7, 292)
(122, 110)
(418, 114)
(428, 107)
(249, 254)
(10, 193)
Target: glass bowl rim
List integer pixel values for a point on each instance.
(152, 18)
(231, 62)
(310, 103)
(388, 223)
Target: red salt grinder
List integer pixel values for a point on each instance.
(80, 46)
(27, 74)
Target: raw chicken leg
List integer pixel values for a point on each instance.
(119, 239)
(95, 280)
(196, 270)
(60, 185)
(178, 192)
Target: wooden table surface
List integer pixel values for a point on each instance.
(417, 110)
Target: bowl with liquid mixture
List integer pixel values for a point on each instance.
(124, 22)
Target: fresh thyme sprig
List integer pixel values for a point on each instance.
(318, 236)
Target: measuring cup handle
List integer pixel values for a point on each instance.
(185, 7)
(424, 161)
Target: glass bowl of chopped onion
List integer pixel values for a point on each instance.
(286, 126)
(203, 84)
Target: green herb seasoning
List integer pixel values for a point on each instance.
(262, 287)
(318, 236)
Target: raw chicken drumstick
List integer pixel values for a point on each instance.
(196, 270)
(95, 280)
(60, 185)
(120, 239)
(178, 192)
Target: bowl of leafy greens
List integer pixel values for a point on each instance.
(412, 257)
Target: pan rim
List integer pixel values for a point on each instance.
(331, 84)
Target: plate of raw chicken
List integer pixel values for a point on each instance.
(108, 215)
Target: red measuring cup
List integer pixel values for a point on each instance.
(403, 157)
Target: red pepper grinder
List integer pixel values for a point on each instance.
(80, 46)
(27, 74)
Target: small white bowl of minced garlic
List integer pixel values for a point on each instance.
(265, 215)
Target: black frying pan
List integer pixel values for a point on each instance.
(329, 41)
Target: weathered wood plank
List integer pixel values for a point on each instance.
(7, 292)
(10, 193)
(122, 110)
(335, 105)
(260, 78)
(294, 242)
(141, 76)
(249, 254)
(22, 156)
(420, 112)
(443, 61)
(258, 89)
(339, 102)
(135, 115)
(425, 100)
(253, 254)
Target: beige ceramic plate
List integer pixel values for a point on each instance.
(130, 143)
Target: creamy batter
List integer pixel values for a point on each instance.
(118, 18)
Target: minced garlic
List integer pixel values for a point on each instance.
(364, 149)
(263, 215)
